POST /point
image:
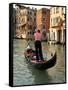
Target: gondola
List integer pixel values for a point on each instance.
(47, 63)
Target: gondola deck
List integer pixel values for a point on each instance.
(42, 64)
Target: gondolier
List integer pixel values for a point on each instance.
(47, 63)
(38, 47)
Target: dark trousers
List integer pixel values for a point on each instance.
(38, 49)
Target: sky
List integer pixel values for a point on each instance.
(37, 6)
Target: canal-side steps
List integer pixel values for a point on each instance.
(47, 63)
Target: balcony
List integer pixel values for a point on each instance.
(21, 24)
(58, 24)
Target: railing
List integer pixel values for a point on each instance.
(21, 24)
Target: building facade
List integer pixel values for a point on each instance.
(57, 24)
(25, 22)
(43, 22)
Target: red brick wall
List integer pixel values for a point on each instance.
(39, 18)
(40, 15)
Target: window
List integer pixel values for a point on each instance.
(43, 26)
(33, 33)
(43, 11)
(51, 21)
(51, 11)
(30, 32)
(34, 27)
(34, 19)
(57, 9)
(29, 26)
(30, 13)
(63, 10)
(57, 20)
(54, 11)
(35, 14)
(28, 19)
(23, 20)
(43, 19)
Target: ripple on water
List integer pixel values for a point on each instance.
(24, 74)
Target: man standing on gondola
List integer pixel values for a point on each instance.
(38, 47)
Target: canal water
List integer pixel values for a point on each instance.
(24, 74)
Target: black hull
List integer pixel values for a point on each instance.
(43, 65)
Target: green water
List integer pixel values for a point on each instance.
(24, 74)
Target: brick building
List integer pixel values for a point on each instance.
(43, 22)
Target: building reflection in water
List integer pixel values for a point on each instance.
(40, 76)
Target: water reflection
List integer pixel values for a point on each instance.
(24, 74)
(40, 76)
